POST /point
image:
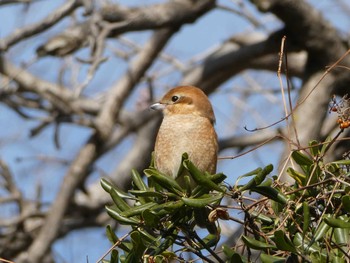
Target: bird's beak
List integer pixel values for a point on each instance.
(157, 106)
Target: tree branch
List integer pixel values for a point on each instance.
(40, 26)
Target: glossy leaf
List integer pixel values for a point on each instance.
(118, 201)
(341, 236)
(342, 162)
(150, 218)
(168, 240)
(306, 217)
(201, 202)
(314, 148)
(256, 244)
(337, 222)
(305, 244)
(147, 193)
(271, 259)
(112, 237)
(321, 231)
(107, 186)
(137, 210)
(283, 242)
(138, 246)
(265, 219)
(301, 158)
(297, 176)
(211, 240)
(199, 177)
(168, 207)
(271, 193)
(114, 256)
(165, 181)
(115, 213)
(258, 179)
(215, 178)
(228, 251)
(137, 180)
(345, 200)
(325, 145)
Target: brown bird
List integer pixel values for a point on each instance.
(187, 126)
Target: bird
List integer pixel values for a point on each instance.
(187, 127)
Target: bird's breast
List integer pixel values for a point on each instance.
(185, 133)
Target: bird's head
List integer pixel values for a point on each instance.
(185, 100)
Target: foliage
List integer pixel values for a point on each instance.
(308, 221)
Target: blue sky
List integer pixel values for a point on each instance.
(23, 154)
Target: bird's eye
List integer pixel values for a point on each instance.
(174, 98)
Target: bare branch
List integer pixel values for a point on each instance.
(123, 88)
(169, 14)
(40, 26)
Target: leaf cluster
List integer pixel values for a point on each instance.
(163, 215)
(307, 221)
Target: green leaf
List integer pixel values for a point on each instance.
(297, 176)
(138, 246)
(267, 182)
(211, 240)
(118, 201)
(137, 180)
(306, 217)
(256, 244)
(304, 243)
(231, 255)
(337, 222)
(181, 167)
(321, 231)
(254, 172)
(107, 186)
(258, 179)
(342, 162)
(314, 148)
(325, 145)
(114, 212)
(148, 193)
(283, 242)
(199, 190)
(228, 251)
(265, 219)
(199, 177)
(112, 237)
(301, 158)
(341, 236)
(271, 259)
(169, 239)
(114, 256)
(150, 218)
(148, 238)
(168, 207)
(165, 181)
(137, 210)
(271, 193)
(201, 202)
(188, 185)
(345, 200)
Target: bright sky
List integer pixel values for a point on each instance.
(22, 153)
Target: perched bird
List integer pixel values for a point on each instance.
(187, 126)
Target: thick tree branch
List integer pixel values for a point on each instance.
(123, 88)
(125, 19)
(80, 167)
(250, 51)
